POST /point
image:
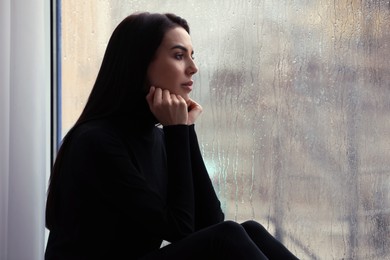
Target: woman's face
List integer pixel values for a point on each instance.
(173, 65)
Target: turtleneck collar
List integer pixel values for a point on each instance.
(135, 115)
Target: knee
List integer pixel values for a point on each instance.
(252, 225)
(230, 228)
(229, 224)
(228, 234)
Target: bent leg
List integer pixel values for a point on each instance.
(269, 245)
(227, 240)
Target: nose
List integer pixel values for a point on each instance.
(192, 68)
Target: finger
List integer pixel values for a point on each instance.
(174, 99)
(182, 100)
(193, 105)
(166, 96)
(157, 98)
(150, 95)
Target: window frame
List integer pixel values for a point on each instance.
(56, 78)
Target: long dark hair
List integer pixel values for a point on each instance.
(120, 81)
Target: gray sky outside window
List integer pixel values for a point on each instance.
(296, 124)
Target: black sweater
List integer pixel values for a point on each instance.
(125, 189)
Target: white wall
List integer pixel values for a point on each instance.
(24, 126)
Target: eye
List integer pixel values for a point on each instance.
(179, 56)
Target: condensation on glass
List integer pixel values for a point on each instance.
(296, 124)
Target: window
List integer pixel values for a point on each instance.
(296, 122)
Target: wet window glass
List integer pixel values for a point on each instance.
(296, 124)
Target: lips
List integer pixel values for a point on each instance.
(188, 84)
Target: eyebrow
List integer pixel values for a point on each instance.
(181, 47)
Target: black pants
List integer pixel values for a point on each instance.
(226, 241)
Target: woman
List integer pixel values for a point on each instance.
(121, 183)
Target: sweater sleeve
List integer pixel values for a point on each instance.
(207, 205)
(180, 183)
(107, 167)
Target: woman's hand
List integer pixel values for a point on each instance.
(194, 110)
(169, 109)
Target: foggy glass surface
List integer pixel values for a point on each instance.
(296, 124)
